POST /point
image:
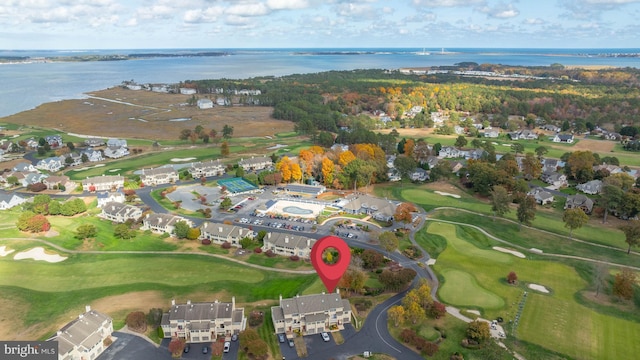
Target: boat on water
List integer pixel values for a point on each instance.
(423, 52)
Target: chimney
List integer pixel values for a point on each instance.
(173, 302)
(308, 242)
(286, 239)
(233, 301)
(337, 291)
(280, 297)
(220, 229)
(268, 235)
(87, 308)
(188, 302)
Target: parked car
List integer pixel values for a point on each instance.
(227, 346)
(325, 337)
(291, 343)
(234, 337)
(187, 348)
(205, 349)
(281, 337)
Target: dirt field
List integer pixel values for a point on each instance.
(119, 112)
(596, 146)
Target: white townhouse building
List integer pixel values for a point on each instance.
(85, 337)
(162, 223)
(207, 169)
(219, 233)
(52, 164)
(203, 322)
(159, 176)
(311, 314)
(103, 183)
(286, 244)
(7, 201)
(255, 163)
(119, 212)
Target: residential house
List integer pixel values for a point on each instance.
(525, 134)
(394, 175)
(459, 130)
(33, 143)
(71, 159)
(438, 118)
(286, 244)
(391, 161)
(222, 101)
(475, 154)
(379, 209)
(579, 201)
(162, 223)
(187, 91)
(92, 142)
(52, 164)
(134, 87)
(85, 337)
(220, 233)
(59, 182)
(419, 174)
(116, 143)
(612, 169)
(25, 167)
(549, 127)
(554, 179)
(161, 88)
(207, 169)
(93, 155)
(432, 161)
(33, 178)
(541, 196)
(105, 197)
(450, 152)
(204, 103)
(158, 176)
(116, 152)
(611, 136)
(551, 165)
(203, 322)
(18, 175)
(255, 163)
(119, 212)
(563, 138)
(103, 183)
(339, 147)
(591, 187)
(54, 141)
(456, 166)
(9, 200)
(492, 133)
(311, 314)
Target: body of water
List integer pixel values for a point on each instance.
(27, 85)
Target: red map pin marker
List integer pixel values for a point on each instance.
(330, 274)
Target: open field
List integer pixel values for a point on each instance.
(146, 115)
(555, 321)
(46, 292)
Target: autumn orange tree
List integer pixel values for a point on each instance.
(403, 212)
(284, 167)
(327, 171)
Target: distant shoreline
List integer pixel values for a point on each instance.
(114, 57)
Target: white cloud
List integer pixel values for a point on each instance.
(155, 12)
(287, 4)
(534, 21)
(248, 9)
(500, 11)
(448, 3)
(210, 14)
(236, 20)
(356, 11)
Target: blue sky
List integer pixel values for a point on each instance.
(130, 24)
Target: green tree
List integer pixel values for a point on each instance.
(405, 165)
(631, 233)
(227, 131)
(225, 203)
(526, 210)
(193, 233)
(500, 200)
(517, 148)
(478, 331)
(441, 171)
(239, 171)
(461, 142)
(574, 219)
(181, 229)
(13, 180)
(531, 167)
(86, 231)
(541, 151)
(122, 231)
(389, 241)
(580, 165)
(246, 242)
(611, 198)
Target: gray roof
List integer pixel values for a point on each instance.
(115, 208)
(255, 160)
(104, 179)
(201, 311)
(287, 240)
(308, 304)
(81, 332)
(159, 171)
(156, 220)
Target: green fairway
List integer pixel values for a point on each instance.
(461, 289)
(555, 321)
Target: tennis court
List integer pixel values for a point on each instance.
(237, 185)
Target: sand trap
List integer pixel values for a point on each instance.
(4, 251)
(114, 170)
(431, 262)
(447, 194)
(509, 251)
(182, 159)
(540, 288)
(277, 146)
(88, 167)
(476, 312)
(38, 253)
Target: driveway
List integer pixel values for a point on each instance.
(131, 347)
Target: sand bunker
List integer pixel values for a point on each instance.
(277, 146)
(38, 253)
(474, 312)
(447, 194)
(4, 251)
(509, 251)
(114, 170)
(182, 159)
(431, 262)
(540, 288)
(88, 167)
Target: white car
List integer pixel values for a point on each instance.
(325, 337)
(227, 346)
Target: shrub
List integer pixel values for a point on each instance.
(226, 245)
(206, 242)
(512, 278)
(408, 336)
(270, 253)
(257, 250)
(294, 258)
(430, 348)
(137, 321)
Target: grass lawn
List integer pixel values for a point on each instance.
(461, 289)
(555, 321)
